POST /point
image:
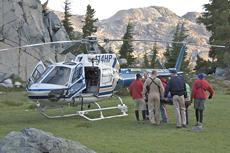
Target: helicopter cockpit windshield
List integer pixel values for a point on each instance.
(59, 75)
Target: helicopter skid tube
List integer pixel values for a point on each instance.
(122, 107)
(83, 113)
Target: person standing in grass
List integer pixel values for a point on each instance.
(155, 89)
(176, 86)
(199, 88)
(187, 101)
(145, 77)
(163, 109)
(135, 90)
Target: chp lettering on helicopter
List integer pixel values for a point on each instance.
(84, 80)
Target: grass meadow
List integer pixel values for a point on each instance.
(125, 135)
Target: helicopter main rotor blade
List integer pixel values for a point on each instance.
(163, 41)
(40, 44)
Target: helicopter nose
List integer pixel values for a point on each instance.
(42, 91)
(55, 95)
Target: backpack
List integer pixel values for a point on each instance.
(148, 87)
(155, 84)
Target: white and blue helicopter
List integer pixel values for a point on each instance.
(86, 79)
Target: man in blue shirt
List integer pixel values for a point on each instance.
(176, 86)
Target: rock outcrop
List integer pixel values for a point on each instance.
(25, 22)
(32, 140)
(192, 16)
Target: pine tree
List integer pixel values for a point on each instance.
(126, 50)
(171, 55)
(66, 21)
(203, 66)
(172, 52)
(216, 18)
(146, 61)
(167, 55)
(200, 64)
(154, 56)
(89, 28)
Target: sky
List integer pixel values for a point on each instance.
(106, 8)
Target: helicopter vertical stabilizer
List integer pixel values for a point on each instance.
(180, 58)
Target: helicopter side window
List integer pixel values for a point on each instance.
(44, 74)
(38, 73)
(77, 74)
(59, 75)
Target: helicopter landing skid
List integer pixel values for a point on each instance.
(83, 113)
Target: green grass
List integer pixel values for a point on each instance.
(125, 135)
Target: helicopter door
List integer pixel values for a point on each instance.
(78, 81)
(107, 78)
(37, 73)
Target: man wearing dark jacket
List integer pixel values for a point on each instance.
(176, 86)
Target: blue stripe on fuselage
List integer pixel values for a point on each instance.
(114, 62)
(40, 89)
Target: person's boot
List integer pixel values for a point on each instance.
(186, 115)
(147, 112)
(197, 115)
(201, 116)
(144, 115)
(137, 115)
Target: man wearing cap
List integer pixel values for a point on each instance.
(176, 86)
(155, 89)
(199, 88)
(135, 90)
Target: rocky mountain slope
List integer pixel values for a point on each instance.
(25, 22)
(150, 23)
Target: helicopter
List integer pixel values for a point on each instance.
(86, 79)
